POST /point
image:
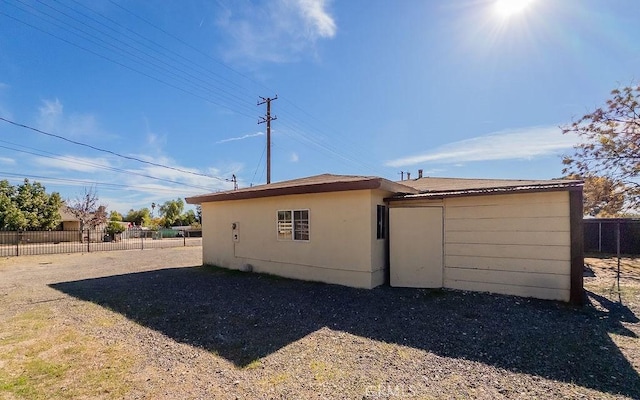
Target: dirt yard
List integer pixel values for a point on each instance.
(155, 324)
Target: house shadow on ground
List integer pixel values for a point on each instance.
(243, 317)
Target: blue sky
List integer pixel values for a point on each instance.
(456, 88)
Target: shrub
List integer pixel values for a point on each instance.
(114, 228)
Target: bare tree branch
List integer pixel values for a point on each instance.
(610, 148)
(87, 209)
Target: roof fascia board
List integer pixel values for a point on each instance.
(373, 183)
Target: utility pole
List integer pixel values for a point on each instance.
(268, 118)
(235, 181)
(401, 173)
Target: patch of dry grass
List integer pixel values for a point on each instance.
(602, 278)
(43, 359)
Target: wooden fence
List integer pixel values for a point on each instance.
(604, 235)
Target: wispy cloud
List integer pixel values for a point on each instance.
(525, 143)
(155, 141)
(216, 179)
(318, 22)
(133, 181)
(133, 184)
(294, 157)
(233, 139)
(51, 109)
(52, 118)
(275, 31)
(70, 163)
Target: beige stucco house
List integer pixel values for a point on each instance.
(69, 222)
(503, 236)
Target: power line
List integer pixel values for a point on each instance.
(95, 165)
(303, 138)
(316, 138)
(296, 124)
(75, 182)
(117, 40)
(258, 166)
(313, 141)
(186, 44)
(310, 141)
(112, 152)
(175, 54)
(130, 56)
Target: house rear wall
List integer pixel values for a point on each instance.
(342, 249)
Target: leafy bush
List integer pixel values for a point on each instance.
(114, 228)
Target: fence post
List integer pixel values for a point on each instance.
(184, 239)
(618, 254)
(17, 243)
(142, 235)
(599, 237)
(88, 240)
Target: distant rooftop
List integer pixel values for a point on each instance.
(67, 215)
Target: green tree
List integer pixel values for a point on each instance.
(115, 216)
(188, 218)
(171, 211)
(140, 217)
(610, 145)
(156, 223)
(7, 189)
(11, 218)
(28, 206)
(114, 228)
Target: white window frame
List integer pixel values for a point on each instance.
(282, 227)
(292, 237)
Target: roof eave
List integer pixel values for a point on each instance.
(325, 187)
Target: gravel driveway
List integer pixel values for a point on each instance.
(169, 328)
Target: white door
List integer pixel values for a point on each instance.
(415, 244)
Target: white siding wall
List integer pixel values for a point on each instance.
(515, 244)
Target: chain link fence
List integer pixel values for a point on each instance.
(19, 243)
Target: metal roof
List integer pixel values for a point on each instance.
(429, 187)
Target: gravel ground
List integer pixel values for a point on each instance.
(200, 332)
